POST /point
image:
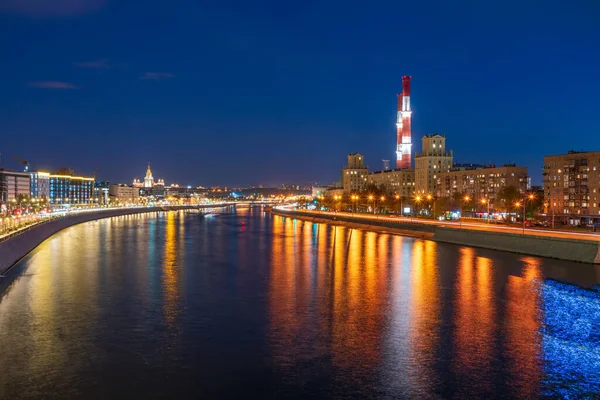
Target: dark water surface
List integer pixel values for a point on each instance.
(247, 305)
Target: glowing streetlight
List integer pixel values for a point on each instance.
(354, 199)
(462, 203)
(484, 202)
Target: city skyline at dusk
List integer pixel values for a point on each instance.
(232, 94)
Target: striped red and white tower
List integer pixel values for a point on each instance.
(403, 134)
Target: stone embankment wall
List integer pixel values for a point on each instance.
(586, 251)
(17, 247)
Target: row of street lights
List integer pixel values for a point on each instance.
(418, 199)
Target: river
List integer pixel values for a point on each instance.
(243, 304)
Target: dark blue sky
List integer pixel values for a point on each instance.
(246, 92)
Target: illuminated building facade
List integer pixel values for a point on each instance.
(403, 127)
(39, 186)
(12, 185)
(572, 185)
(354, 175)
(148, 179)
(433, 160)
(66, 188)
(149, 187)
(101, 193)
(398, 181)
(481, 181)
(124, 194)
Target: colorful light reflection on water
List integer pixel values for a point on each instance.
(244, 304)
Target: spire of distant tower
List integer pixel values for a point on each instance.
(149, 179)
(403, 122)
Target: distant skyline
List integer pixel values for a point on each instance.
(238, 93)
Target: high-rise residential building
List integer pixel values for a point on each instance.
(66, 188)
(572, 185)
(432, 160)
(354, 175)
(481, 181)
(397, 181)
(39, 184)
(12, 185)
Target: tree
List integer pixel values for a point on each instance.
(507, 197)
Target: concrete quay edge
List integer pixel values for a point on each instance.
(579, 250)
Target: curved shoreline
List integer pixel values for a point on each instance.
(16, 248)
(579, 250)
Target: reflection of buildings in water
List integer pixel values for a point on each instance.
(570, 340)
(474, 322)
(285, 295)
(410, 348)
(171, 271)
(329, 302)
(426, 313)
(522, 325)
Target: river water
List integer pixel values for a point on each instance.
(242, 304)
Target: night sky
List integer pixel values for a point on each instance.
(247, 92)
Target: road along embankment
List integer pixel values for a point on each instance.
(17, 247)
(384, 226)
(580, 250)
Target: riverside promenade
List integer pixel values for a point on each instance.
(562, 245)
(19, 244)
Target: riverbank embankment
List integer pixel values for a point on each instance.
(580, 250)
(18, 246)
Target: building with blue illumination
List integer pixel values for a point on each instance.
(69, 189)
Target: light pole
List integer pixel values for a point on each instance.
(417, 201)
(484, 202)
(354, 199)
(518, 204)
(462, 203)
(530, 197)
(382, 198)
(371, 199)
(430, 198)
(337, 200)
(398, 197)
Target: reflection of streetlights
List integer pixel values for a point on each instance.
(484, 202)
(462, 203)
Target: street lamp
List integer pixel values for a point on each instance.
(354, 199)
(398, 197)
(462, 203)
(484, 202)
(417, 201)
(371, 199)
(432, 205)
(530, 197)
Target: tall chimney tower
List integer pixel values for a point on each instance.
(403, 132)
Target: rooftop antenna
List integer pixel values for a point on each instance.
(386, 165)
